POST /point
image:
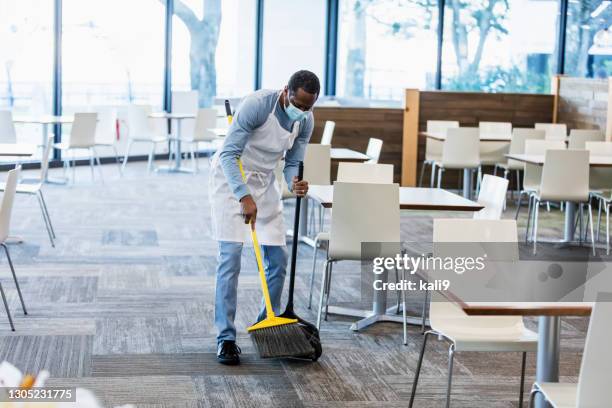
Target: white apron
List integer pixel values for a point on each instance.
(264, 149)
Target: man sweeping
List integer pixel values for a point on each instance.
(267, 126)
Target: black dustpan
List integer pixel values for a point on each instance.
(309, 329)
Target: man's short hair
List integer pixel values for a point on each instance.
(306, 80)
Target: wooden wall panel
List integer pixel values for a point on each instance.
(355, 126)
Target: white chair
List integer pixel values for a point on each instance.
(600, 184)
(461, 150)
(578, 137)
(374, 149)
(565, 177)
(205, 122)
(141, 129)
(328, 132)
(517, 146)
(554, 131)
(433, 148)
(593, 387)
(350, 228)
(82, 137)
(492, 196)
(532, 174)
(492, 153)
(5, 221)
(351, 173)
(474, 333)
(365, 173)
(35, 189)
(106, 131)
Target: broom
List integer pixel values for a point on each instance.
(308, 329)
(274, 336)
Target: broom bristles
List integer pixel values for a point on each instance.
(286, 340)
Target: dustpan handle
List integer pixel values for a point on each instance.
(296, 239)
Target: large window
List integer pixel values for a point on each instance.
(386, 46)
(293, 39)
(213, 49)
(26, 61)
(499, 45)
(588, 51)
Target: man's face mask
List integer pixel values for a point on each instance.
(293, 112)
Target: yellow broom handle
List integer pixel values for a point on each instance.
(262, 273)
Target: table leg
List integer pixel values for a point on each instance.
(570, 217)
(178, 153)
(547, 368)
(467, 183)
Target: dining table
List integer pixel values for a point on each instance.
(410, 198)
(17, 149)
(569, 229)
(44, 121)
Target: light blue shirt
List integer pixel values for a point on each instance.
(253, 112)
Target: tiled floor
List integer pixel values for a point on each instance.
(124, 305)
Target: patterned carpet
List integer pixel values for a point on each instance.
(124, 306)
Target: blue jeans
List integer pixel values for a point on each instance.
(228, 269)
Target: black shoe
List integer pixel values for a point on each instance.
(228, 353)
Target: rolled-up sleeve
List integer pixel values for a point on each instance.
(248, 118)
(297, 152)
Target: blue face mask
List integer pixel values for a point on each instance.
(294, 113)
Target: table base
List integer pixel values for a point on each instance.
(368, 317)
(173, 169)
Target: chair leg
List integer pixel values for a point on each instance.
(99, 163)
(440, 170)
(328, 291)
(150, 160)
(404, 313)
(6, 307)
(518, 206)
(536, 210)
(451, 355)
(91, 163)
(522, 388)
(598, 219)
(532, 395)
(422, 173)
(322, 293)
(424, 311)
(581, 216)
(117, 160)
(44, 215)
(312, 274)
(127, 155)
(608, 229)
(44, 203)
(529, 210)
(418, 370)
(432, 182)
(10, 262)
(590, 209)
(518, 180)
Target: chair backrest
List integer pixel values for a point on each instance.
(185, 101)
(374, 149)
(495, 129)
(578, 137)
(7, 202)
(317, 164)
(469, 230)
(600, 178)
(365, 173)
(441, 126)
(138, 121)
(44, 162)
(517, 143)
(353, 223)
(433, 148)
(594, 377)
(461, 148)
(83, 132)
(565, 176)
(7, 127)
(533, 173)
(554, 131)
(206, 120)
(492, 196)
(106, 129)
(328, 132)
